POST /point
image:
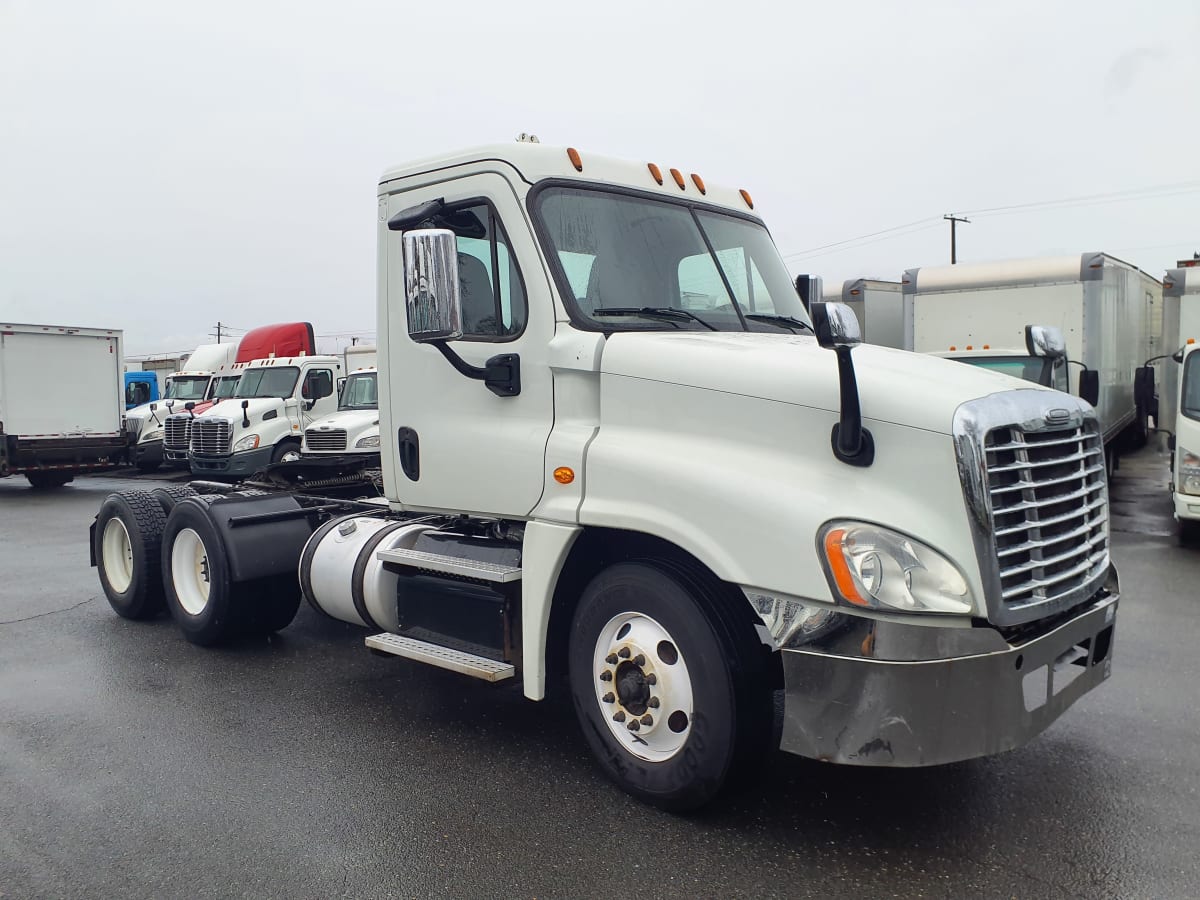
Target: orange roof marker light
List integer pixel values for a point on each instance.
(573, 156)
(655, 172)
(952, 347)
(969, 347)
(1191, 340)
(699, 183)
(678, 176)
(564, 475)
(746, 197)
(987, 346)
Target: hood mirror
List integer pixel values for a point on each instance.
(836, 327)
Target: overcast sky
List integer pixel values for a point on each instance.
(165, 165)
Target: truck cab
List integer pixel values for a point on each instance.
(274, 401)
(1180, 404)
(354, 428)
(141, 388)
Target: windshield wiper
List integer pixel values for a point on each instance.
(652, 312)
(785, 321)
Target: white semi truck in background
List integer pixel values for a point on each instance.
(617, 457)
(62, 402)
(353, 429)
(1108, 311)
(194, 384)
(1179, 399)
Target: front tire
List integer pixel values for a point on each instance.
(126, 544)
(287, 451)
(671, 692)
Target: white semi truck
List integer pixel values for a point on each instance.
(263, 423)
(194, 384)
(616, 457)
(1179, 401)
(1107, 311)
(354, 428)
(62, 402)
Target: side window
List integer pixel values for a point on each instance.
(493, 295)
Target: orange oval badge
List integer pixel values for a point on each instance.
(563, 475)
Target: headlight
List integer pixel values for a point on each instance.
(249, 442)
(1189, 472)
(877, 568)
(154, 434)
(372, 441)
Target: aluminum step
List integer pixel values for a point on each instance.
(451, 565)
(442, 657)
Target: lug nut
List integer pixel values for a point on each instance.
(639, 660)
(611, 659)
(606, 675)
(647, 719)
(623, 653)
(633, 725)
(608, 698)
(619, 715)
(652, 703)
(651, 678)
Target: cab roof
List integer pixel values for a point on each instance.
(533, 162)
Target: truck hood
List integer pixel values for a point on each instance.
(350, 419)
(231, 409)
(895, 386)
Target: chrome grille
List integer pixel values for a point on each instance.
(324, 440)
(211, 437)
(177, 431)
(1049, 511)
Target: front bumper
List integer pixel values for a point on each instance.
(247, 462)
(149, 453)
(859, 710)
(1187, 506)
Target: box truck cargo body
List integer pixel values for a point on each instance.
(51, 428)
(879, 307)
(1105, 309)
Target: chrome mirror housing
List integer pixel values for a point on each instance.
(431, 289)
(1045, 340)
(836, 325)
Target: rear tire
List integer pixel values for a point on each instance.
(126, 543)
(168, 497)
(196, 575)
(652, 642)
(45, 480)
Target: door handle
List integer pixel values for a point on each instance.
(408, 446)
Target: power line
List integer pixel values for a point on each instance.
(859, 238)
(1165, 190)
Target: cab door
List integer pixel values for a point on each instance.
(449, 442)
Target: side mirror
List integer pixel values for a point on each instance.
(1143, 386)
(190, 405)
(1043, 340)
(836, 325)
(1089, 386)
(1178, 355)
(431, 289)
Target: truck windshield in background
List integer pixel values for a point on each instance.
(272, 382)
(1190, 403)
(630, 262)
(225, 387)
(189, 388)
(1027, 368)
(360, 392)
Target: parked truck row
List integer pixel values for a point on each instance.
(619, 455)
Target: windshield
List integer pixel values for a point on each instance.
(226, 387)
(191, 388)
(267, 382)
(1190, 403)
(1027, 368)
(360, 392)
(632, 262)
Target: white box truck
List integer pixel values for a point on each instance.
(1179, 400)
(61, 401)
(878, 305)
(1106, 309)
(616, 457)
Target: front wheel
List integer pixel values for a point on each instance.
(286, 452)
(671, 693)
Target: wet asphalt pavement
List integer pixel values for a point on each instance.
(133, 764)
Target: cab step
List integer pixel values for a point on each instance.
(451, 565)
(442, 657)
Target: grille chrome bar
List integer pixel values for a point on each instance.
(327, 439)
(1098, 503)
(1049, 482)
(211, 436)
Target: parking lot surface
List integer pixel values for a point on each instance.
(133, 764)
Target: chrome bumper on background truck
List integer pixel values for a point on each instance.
(972, 694)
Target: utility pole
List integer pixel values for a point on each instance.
(954, 220)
